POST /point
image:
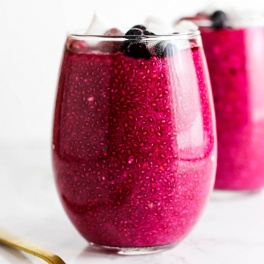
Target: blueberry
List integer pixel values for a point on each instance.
(135, 32)
(142, 27)
(148, 33)
(136, 49)
(134, 46)
(164, 49)
(218, 19)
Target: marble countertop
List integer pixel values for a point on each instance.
(231, 230)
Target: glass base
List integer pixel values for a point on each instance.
(232, 194)
(129, 251)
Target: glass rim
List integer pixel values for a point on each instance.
(177, 35)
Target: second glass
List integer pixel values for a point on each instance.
(234, 50)
(134, 139)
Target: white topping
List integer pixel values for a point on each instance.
(97, 26)
(185, 26)
(158, 26)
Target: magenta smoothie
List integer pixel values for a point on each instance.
(236, 62)
(235, 58)
(134, 143)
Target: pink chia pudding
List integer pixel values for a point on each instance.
(134, 140)
(235, 57)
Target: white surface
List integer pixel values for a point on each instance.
(231, 230)
(32, 34)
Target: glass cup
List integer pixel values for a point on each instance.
(235, 57)
(134, 148)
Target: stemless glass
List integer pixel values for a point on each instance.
(235, 57)
(134, 148)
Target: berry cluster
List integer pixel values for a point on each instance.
(137, 45)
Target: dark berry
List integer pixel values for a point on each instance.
(134, 47)
(136, 50)
(164, 49)
(135, 32)
(218, 19)
(142, 27)
(148, 33)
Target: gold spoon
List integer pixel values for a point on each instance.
(16, 242)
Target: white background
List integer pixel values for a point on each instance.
(32, 34)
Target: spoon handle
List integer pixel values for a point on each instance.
(16, 242)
